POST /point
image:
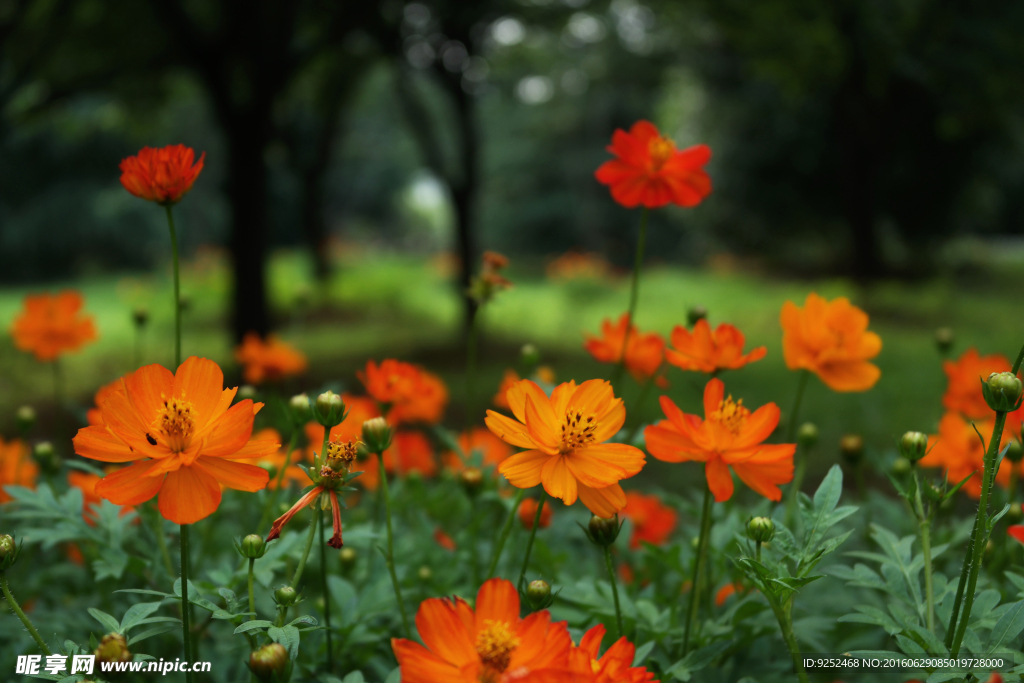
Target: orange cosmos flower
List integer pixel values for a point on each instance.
(508, 379)
(727, 591)
(614, 666)
(653, 521)
(410, 452)
(831, 339)
(959, 452)
(477, 444)
(52, 324)
(94, 416)
(86, 483)
(184, 437)
(490, 644)
(963, 393)
(16, 467)
(161, 175)
(707, 351)
(644, 352)
(565, 434)
(273, 462)
(1016, 532)
(528, 512)
(410, 394)
(729, 436)
(443, 539)
(268, 360)
(648, 169)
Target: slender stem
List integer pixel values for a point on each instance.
(981, 531)
(186, 626)
(698, 567)
(505, 531)
(161, 544)
(309, 544)
(644, 391)
(793, 497)
(58, 383)
(390, 556)
(252, 596)
(471, 344)
(757, 552)
(784, 617)
(21, 615)
(177, 287)
(474, 554)
(634, 290)
(268, 509)
(795, 412)
(327, 595)
(924, 523)
(615, 589)
(958, 599)
(533, 532)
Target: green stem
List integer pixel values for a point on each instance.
(958, 599)
(757, 552)
(615, 589)
(634, 290)
(924, 523)
(252, 596)
(186, 626)
(533, 532)
(981, 532)
(309, 544)
(161, 543)
(793, 497)
(471, 344)
(698, 567)
(327, 595)
(795, 412)
(784, 617)
(21, 615)
(505, 531)
(390, 556)
(268, 509)
(177, 287)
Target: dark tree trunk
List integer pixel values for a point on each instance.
(464, 195)
(314, 223)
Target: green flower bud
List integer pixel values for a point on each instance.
(695, 314)
(761, 529)
(286, 596)
(252, 547)
(425, 573)
(807, 435)
(348, 558)
(1002, 391)
(538, 594)
(246, 391)
(604, 530)
(377, 434)
(1015, 514)
(529, 355)
(113, 648)
(1014, 451)
(944, 340)
(140, 316)
(45, 455)
(913, 446)
(300, 409)
(329, 409)
(851, 446)
(26, 417)
(8, 551)
(901, 466)
(472, 480)
(270, 663)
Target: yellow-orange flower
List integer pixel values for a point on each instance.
(960, 453)
(86, 483)
(16, 467)
(728, 436)
(410, 452)
(614, 666)
(52, 324)
(184, 437)
(963, 393)
(831, 339)
(528, 512)
(268, 360)
(566, 435)
(161, 175)
(478, 444)
(410, 394)
(490, 644)
(644, 351)
(652, 520)
(507, 380)
(707, 351)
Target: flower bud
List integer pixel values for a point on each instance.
(270, 663)
(246, 391)
(944, 340)
(1002, 391)
(348, 558)
(425, 573)
(761, 529)
(1015, 514)
(252, 547)
(1014, 451)
(603, 530)
(807, 435)
(113, 648)
(377, 434)
(140, 316)
(901, 466)
(300, 409)
(913, 446)
(472, 480)
(538, 594)
(695, 314)
(851, 446)
(46, 457)
(26, 417)
(286, 596)
(529, 355)
(329, 409)
(8, 551)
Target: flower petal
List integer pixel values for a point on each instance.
(443, 631)
(719, 479)
(234, 475)
(524, 470)
(132, 485)
(99, 443)
(558, 480)
(188, 495)
(508, 430)
(497, 600)
(420, 665)
(605, 464)
(603, 502)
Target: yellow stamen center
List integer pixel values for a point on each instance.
(495, 645)
(595, 666)
(177, 423)
(732, 415)
(661, 150)
(340, 456)
(577, 431)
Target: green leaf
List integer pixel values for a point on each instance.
(108, 621)
(354, 677)
(642, 653)
(305, 619)
(1008, 626)
(155, 631)
(287, 636)
(394, 677)
(136, 613)
(254, 625)
(697, 660)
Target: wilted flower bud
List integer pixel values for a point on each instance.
(339, 457)
(425, 573)
(1002, 391)
(113, 648)
(377, 434)
(695, 314)
(246, 391)
(807, 435)
(913, 446)
(1014, 451)
(604, 530)
(851, 446)
(329, 409)
(1015, 514)
(300, 409)
(252, 547)
(270, 663)
(538, 593)
(761, 529)
(8, 551)
(140, 316)
(286, 596)
(26, 417)
(944, 340)
(901, 466)
(530, 355)
(472, 479)
(348, 558)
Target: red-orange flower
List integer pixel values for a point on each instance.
(184, 435)
(729, 436)
(273, 462)
(94, 415)
(410, 452)
(528, 512)
(443, 539)
(161, 175)
(490, 644)
(16, 467)
(410, 394)
(507, 380)
(959, 452)
(963, 393)
(831, 339)
(86, 483)
(644, 351)
(52, 324)
(726, 592)
(614, 666)
(652, 520)
(648, 169)
(268, 360)
(565, 434)
(478, 444)
(707, 351)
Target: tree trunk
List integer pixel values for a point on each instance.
(464, 194)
